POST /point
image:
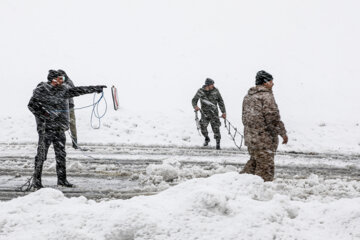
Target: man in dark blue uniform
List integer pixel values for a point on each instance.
(50, 106)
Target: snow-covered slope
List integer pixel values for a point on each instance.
(177, 127)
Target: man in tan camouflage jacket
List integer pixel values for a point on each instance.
(262, 125)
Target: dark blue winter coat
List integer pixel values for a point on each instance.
(50, 104)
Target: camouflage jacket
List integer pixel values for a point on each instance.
(209, 101)
(70, 83)
(261, 119)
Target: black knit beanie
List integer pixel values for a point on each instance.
(209, 81)
(53, 74)
(263, 77)
(63, 73)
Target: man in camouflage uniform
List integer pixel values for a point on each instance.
(73, 131)
(210, 98)
(262, 125)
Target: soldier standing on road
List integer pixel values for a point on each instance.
(210, 98)
(262, 126)
(73, 131)
(50, 106)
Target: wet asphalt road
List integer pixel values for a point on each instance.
(119, 172)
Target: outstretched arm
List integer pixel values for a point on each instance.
(78, 91)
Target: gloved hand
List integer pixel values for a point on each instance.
(99, 88)
(285, 139)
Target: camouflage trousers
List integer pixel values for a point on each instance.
(261, 163)
(215, 125)
(73, 126)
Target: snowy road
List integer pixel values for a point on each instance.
(124, 171)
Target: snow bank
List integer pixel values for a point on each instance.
(224, 206)
(174, 171)
(177, 128)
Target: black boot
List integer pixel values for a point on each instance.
(207, 140)
(36, 182)
(74, 144)
(218, 145)
(61, 173)
(64, 183)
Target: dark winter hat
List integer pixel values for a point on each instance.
(63, 73)
(53, 74)
(263, 77)
(209, 81)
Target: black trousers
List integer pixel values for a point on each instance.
(58, 139)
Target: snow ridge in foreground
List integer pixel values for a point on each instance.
(224, 206)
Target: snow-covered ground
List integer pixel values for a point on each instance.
(158, 53)
(177, 127)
